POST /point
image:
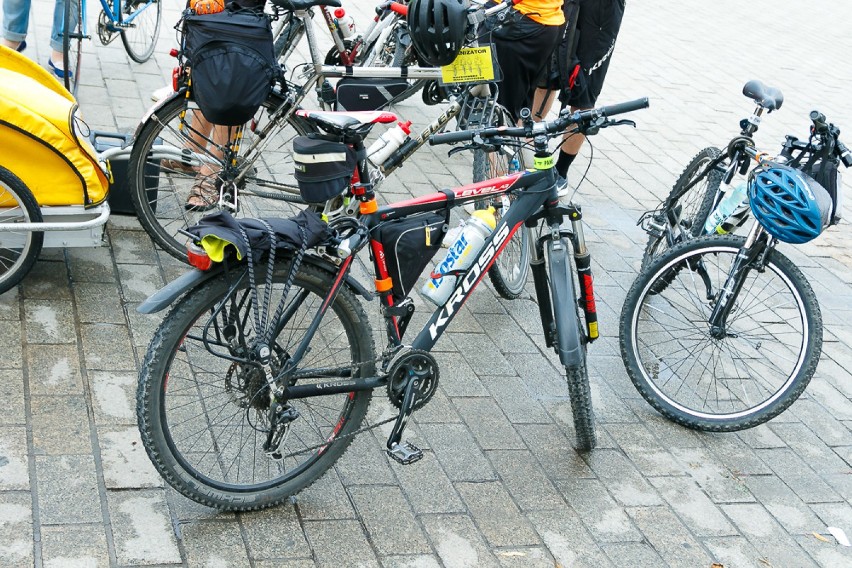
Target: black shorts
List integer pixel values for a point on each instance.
(598, 23)
(520, 48)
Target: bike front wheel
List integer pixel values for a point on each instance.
(204, 408)
(509, 272)
(140, 27)
(570, 337)
(685, 211)
(72, 44)
(720, 382)
(178, 170)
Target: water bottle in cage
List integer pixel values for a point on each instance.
(460, 255)
(734, 204)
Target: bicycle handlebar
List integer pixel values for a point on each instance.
(830, 133)
(820, 126)
(582, 118)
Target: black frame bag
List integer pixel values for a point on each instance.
(356, 93)
(409, 245)
(232, 63)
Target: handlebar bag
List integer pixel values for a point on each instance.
(409, 244)
(826, 173)
(232, 63)
(323, 167)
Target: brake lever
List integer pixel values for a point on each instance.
(458, 149)
(621, 122)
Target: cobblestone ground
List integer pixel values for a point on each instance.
(500, 484)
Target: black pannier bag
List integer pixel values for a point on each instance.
(323, 167)
(232, 63)
(409, 245)
(367, 94)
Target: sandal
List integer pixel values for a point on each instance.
(204, 194)
(178, 166)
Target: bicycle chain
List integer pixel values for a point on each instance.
(360, 364)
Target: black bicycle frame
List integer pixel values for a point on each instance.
(534, 190)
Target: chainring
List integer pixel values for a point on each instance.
(414, 363)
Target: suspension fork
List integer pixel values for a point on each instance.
(583, 261)
(756, 245)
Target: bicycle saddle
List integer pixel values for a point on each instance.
(769, 98)
(351, 121)
(305, 4)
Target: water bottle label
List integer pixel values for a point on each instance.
(455, 252)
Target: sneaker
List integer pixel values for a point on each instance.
(562, 188)
(162, 93)
(59, 72)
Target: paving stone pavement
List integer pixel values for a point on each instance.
(500, 484)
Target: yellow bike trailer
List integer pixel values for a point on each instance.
(53, 188)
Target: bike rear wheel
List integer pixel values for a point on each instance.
(18, 249)
(509, 272)
(750, 375)
(161, 184)
(72, 44)
(204, 418)
(140, 22)
(689, 209)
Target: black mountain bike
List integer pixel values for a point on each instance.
(241, 405)
(723, 332)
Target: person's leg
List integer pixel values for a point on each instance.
(57, 31)
(543, 100)
(205, 192)
(599, 23)
(16, 20)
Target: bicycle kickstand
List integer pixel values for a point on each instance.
(405, 452)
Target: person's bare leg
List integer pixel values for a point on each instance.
(539, 112)
(205, 192)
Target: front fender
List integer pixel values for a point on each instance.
(165, 296)
(564, 298)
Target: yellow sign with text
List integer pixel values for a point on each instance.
(473, 64)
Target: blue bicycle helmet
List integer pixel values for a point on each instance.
(790, 205)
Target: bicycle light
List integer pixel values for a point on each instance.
(197, 256)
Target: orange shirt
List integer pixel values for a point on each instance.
(546, 12)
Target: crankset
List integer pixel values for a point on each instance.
(107, 31)
(412, 381)
(413, 364)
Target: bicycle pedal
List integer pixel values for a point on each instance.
(405, 453)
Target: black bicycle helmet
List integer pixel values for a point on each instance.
(437, 29)
(790, 205)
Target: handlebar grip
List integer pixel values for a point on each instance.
(844, 153)
(451, 137)
(819, 121)
(621, 108)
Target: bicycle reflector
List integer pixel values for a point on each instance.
(197, 256)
